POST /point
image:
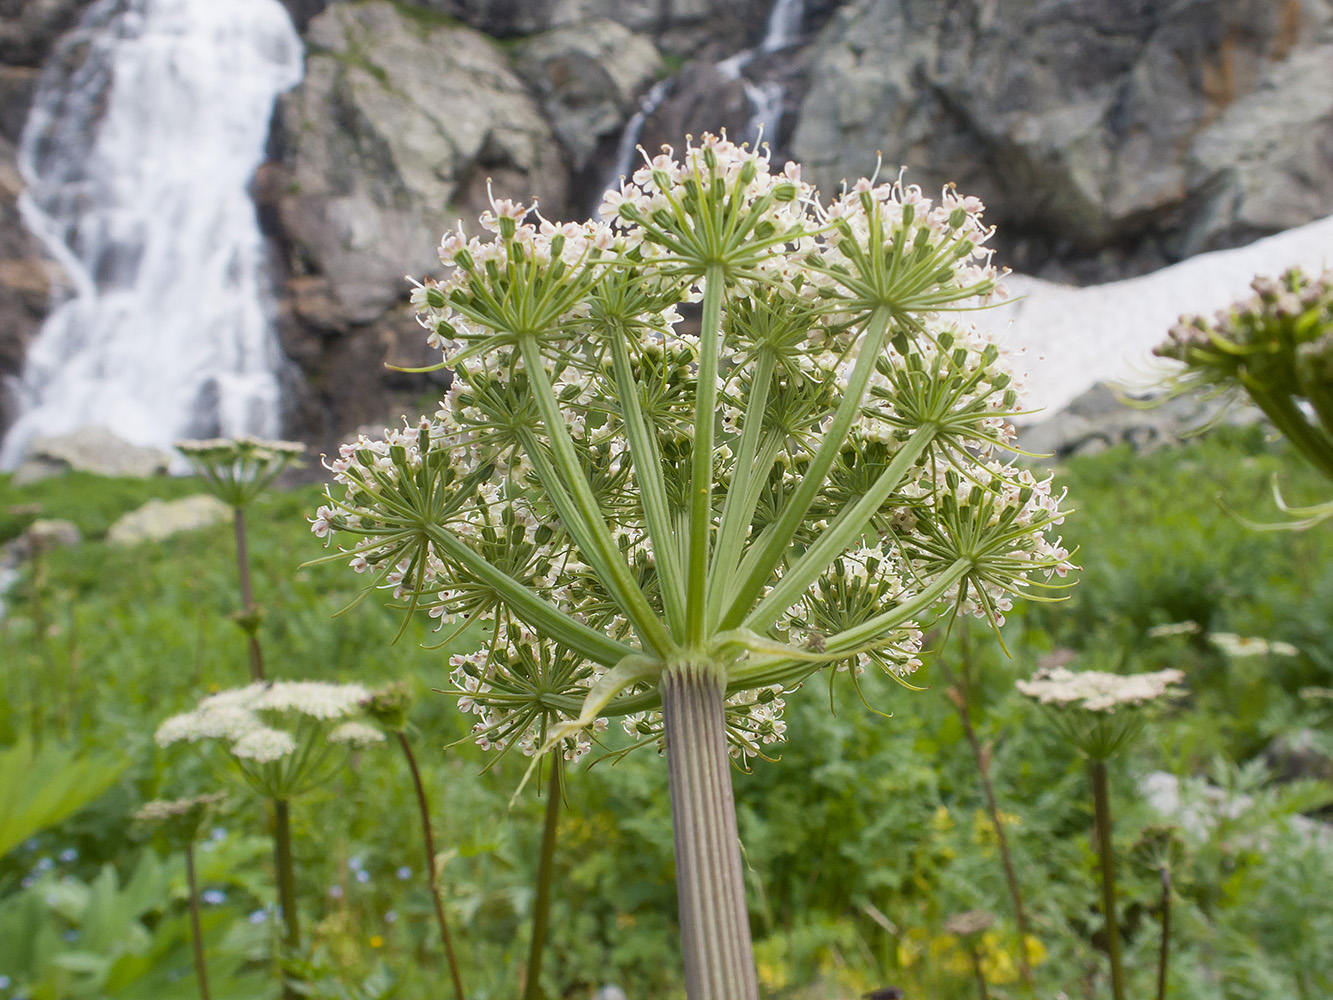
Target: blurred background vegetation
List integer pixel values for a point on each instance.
(861, 842)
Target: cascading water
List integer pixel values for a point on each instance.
(782, 30)
(148, 123)
(784, 25)
(629, 139)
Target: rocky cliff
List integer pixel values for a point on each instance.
(1107, 139)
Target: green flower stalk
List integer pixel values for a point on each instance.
(180, 821)
(677, 526)
(285, 739)
(236, 470)
(389, 707)
(1100, 714)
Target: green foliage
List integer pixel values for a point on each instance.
(92, 502)
(40, 789)
(860, 842)
(63, 937)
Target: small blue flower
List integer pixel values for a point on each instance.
(259, 916)
(335, 892)
(69, 854)
(362, 875)
(404, 873)
(213, 896)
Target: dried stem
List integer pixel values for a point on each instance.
(710, 884)
(196, 932)
(429, 838)
(541, 906)
(1101, 803)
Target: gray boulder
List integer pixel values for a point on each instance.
(1159, 129)
(158, 519)
(1102, 418)
(588, 77)
(394, 134)
(403, 121)
(92, 449)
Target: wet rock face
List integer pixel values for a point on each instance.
(401, 124)
(28, 30)
(680, 27)
(1156, 129)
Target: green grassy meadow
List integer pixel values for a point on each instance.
(861, 841)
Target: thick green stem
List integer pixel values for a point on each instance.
(701, 464)
(1101, 804)
(428, 837)
(541, 906)
(710, 882)
(247, 594)
(196, 932)
(286, 879)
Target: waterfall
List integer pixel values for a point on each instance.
(147, 125)
(783, 29)
(784, 25)
(629, 139)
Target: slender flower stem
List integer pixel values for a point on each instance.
(976, 968)
(286, 879)
(1101, 803)
(960, 687)
(1164, 950)
(196, 932)
(429, 839)
(701, 461)
(541, 907)
(247, 594)
(710, 884)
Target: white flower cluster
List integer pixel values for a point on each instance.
(540, 320)
(1099, 691)
(245, 718)
(237, 469)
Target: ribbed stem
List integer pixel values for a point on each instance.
(710, 882)
(286, 879)
(247, 594)
(196, 932)
(428, 837)
(541, 906)
(1101, 804)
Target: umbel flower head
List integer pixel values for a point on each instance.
(179, 819)
(236, 470)
(804, 479)
(1100, 712)
(1276, 348)
(285, 736)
